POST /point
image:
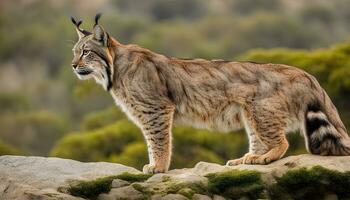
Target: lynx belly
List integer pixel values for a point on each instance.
(222, 119)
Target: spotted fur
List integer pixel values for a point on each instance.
(267, 100)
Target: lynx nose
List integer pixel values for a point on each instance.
(74, 65)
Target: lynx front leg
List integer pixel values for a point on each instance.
(156, 127)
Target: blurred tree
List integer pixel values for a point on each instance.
(164, 9)
(99, 144)
(312, 13)
(13, 102)
(32, 132)
(329, 66)
(167, 9)
(246, 7)
(102, 118)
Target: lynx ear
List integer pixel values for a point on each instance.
(99, 34)
(81, 32)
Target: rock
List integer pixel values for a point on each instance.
(218, 197)
(280, 167)
(331, 197)
(156, 197)
(200, 197)
(39, 178)
(174, 197)
(27, 178)
(182, 182)
(117, 183)
(127, 192)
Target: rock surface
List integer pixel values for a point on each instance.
(39, 178)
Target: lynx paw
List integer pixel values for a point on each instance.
(234, 162)
(256, 159)
(152, 169)
(250, 159)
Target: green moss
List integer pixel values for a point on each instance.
(166, 178)
(311, 183)
(235, 184)
(91, 189)
(187, 192)
(144, 190)
(177, 188)
(134, 177)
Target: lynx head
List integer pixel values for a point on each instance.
(91, 55)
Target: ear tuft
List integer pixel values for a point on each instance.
(77, 24)
(97, 17)
(99, 34)
(81, 32)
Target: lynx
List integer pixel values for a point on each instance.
(155, 91)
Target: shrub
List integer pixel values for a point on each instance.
(11, 102)
(329, 66)
(32, 132)
(102, 118)
(6, 149)
(97, 145)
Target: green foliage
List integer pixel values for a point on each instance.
(97, 145)
(91, 189)
(330, 66)
(12, 102)
(296, 144)
(236, 184)
(312, 183)
(35, 132)
(193, 145)
(102, 118)
(6, 149)
(134, 154)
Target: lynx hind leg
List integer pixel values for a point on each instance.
(256, 147)
(268, 125)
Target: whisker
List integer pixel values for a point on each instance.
(70, 41)
(69, 45)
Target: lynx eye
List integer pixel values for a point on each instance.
(86, 52)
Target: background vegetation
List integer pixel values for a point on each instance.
(45, 110)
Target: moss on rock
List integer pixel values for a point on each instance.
(314, 183)
(91, 189)
(235, 184)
